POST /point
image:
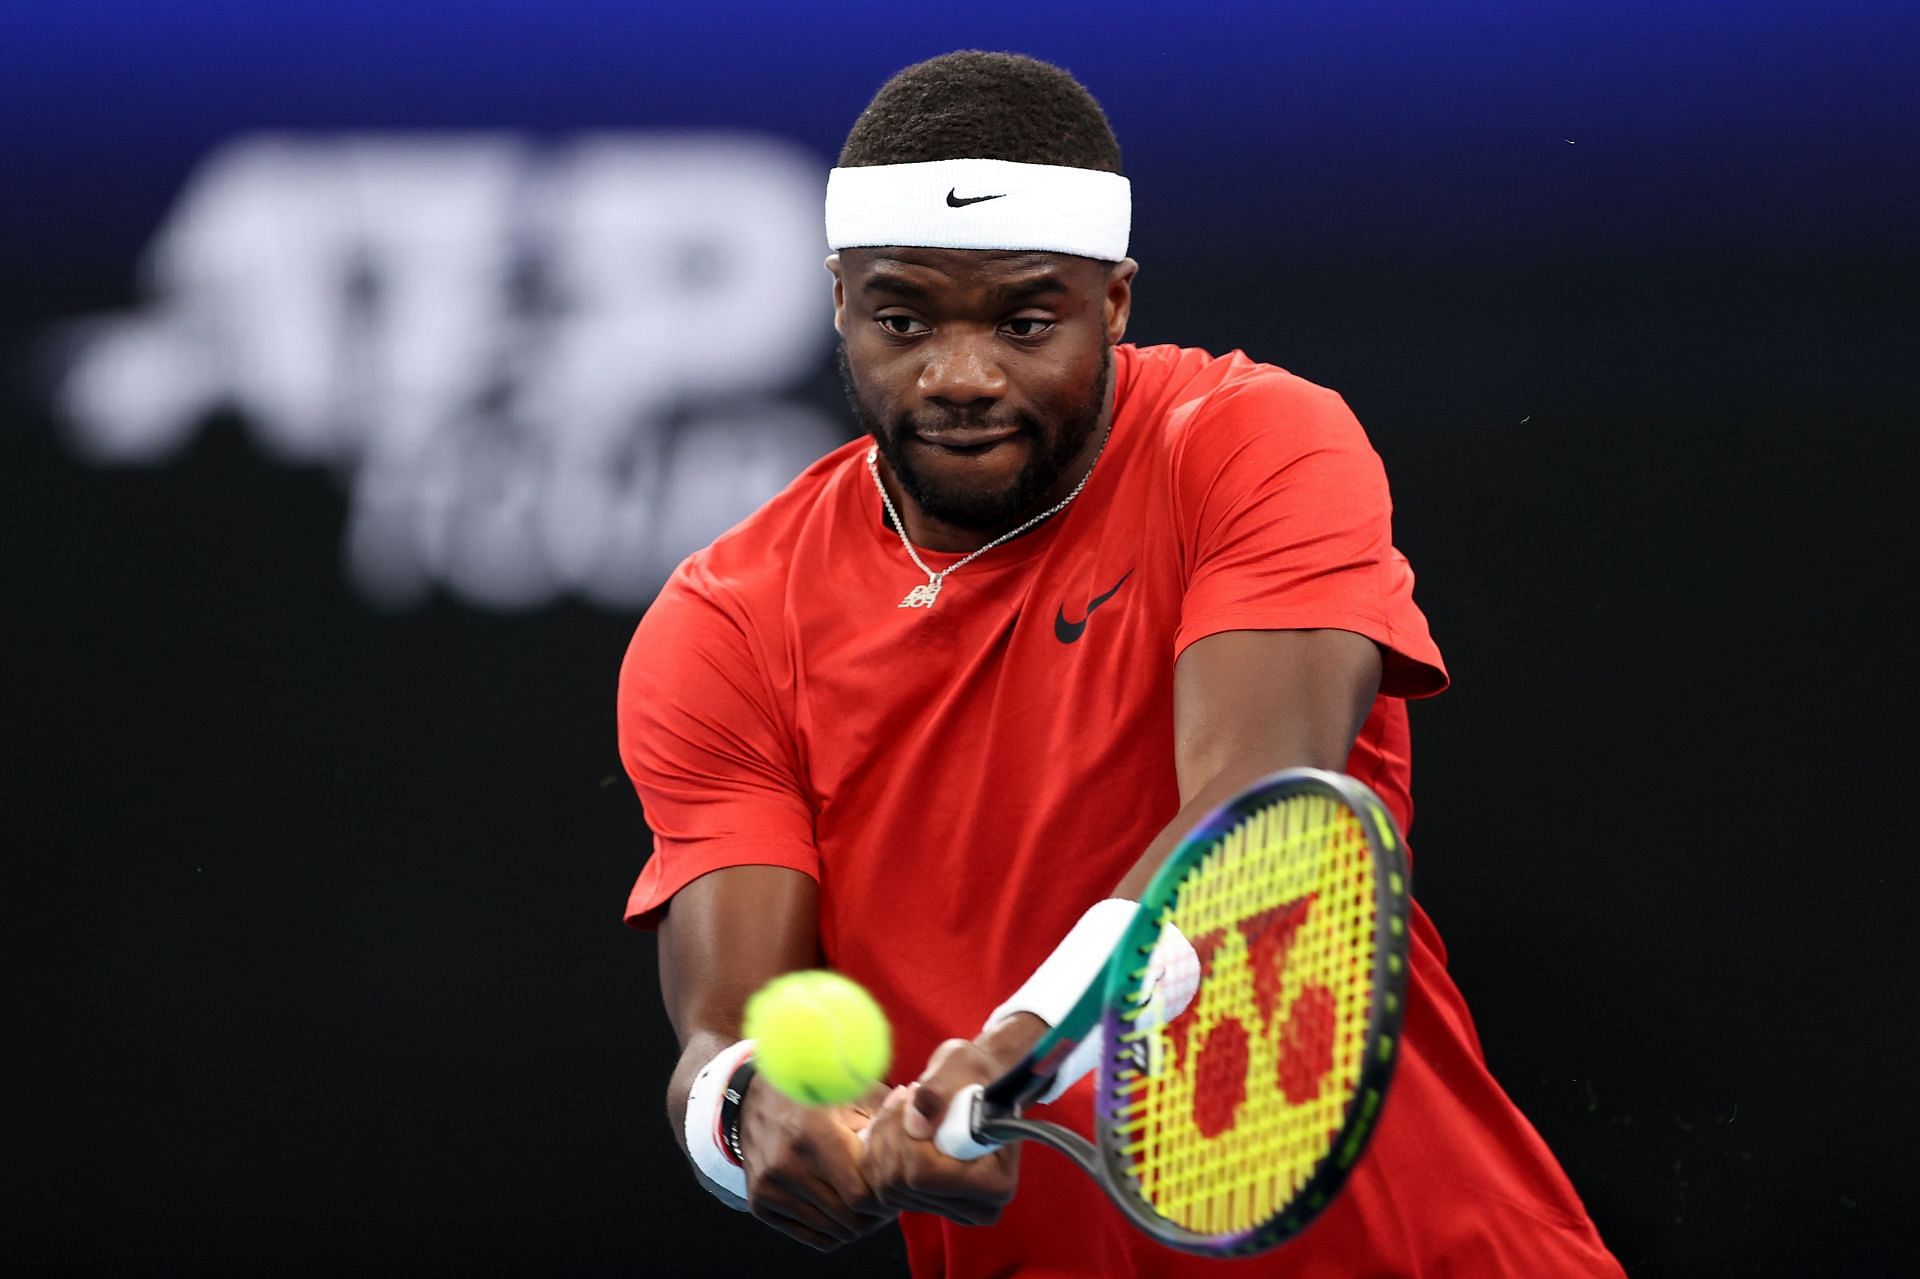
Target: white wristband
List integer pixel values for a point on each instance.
(723, 1178)
(1060, 980)
(1065, 975)
(1074, 1067)
(1176, 971)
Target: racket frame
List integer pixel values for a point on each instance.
(1108, 1003)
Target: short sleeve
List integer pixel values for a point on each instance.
(1288, 525)
(702, 743)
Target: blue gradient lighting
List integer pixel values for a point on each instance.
(1409, 127)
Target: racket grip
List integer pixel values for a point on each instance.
(954, 1138)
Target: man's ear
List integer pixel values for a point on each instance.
(839, 294)
(1119, 298)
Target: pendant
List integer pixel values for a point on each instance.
(922, 596)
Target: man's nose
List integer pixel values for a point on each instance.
(962, 371)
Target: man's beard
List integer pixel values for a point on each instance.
(986, 511)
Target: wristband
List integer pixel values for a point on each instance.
(1060, 980)
(1058, 983)
(730, 1105)
(712, 1160)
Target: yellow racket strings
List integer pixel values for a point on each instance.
(1242, 1096)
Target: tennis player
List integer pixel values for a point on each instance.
(969, 677)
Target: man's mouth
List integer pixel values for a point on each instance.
(965, 438)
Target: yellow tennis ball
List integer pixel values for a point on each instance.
(821, 1038)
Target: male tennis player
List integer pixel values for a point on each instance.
(970, 676)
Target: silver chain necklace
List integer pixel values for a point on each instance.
(924, 596)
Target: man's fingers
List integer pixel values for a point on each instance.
(906, 1172)
(849, 1188)
(776, 1200)
(803, 1169)
(798, 1224)
(825, 1198)
(816, 1204)
(954, 1064)
(826, 1175)
(910, 1176)
(946, 1049)
(924, 1111)
(869, 1105)
(862, 1119)
(969, 1209)
(953, 1210)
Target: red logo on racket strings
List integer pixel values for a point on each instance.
(1303, 1055)
(1220, 1078)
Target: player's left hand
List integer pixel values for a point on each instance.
(904, 1168)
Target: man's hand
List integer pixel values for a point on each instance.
(803, 1168)
(907, 1172)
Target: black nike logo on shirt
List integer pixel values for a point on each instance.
(962, 201)
(1067, 632)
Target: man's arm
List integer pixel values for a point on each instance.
(1246, 703)
(727, 934)
(1250, 703)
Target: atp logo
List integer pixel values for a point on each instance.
(538, 371)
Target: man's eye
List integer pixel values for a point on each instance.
(1028, 326)
(901, 326)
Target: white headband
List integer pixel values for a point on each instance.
(980, 204)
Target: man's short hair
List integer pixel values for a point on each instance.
(983, 106)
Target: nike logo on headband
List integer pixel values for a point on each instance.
(962, 201)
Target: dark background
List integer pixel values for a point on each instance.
(316, 946)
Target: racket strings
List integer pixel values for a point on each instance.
(1227, 1111)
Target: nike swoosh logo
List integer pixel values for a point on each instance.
(962, 201)
(1067, 632)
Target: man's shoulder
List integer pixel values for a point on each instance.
(749, 564)
(1184, 391)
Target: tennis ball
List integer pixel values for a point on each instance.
(821, 1039)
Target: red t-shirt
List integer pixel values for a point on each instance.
(964, 781)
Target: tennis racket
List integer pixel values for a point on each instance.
(1225, 1129)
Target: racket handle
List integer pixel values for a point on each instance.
(955, 1138)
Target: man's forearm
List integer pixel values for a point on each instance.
(1231, 779)
(1250, 703)
(727, 934)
